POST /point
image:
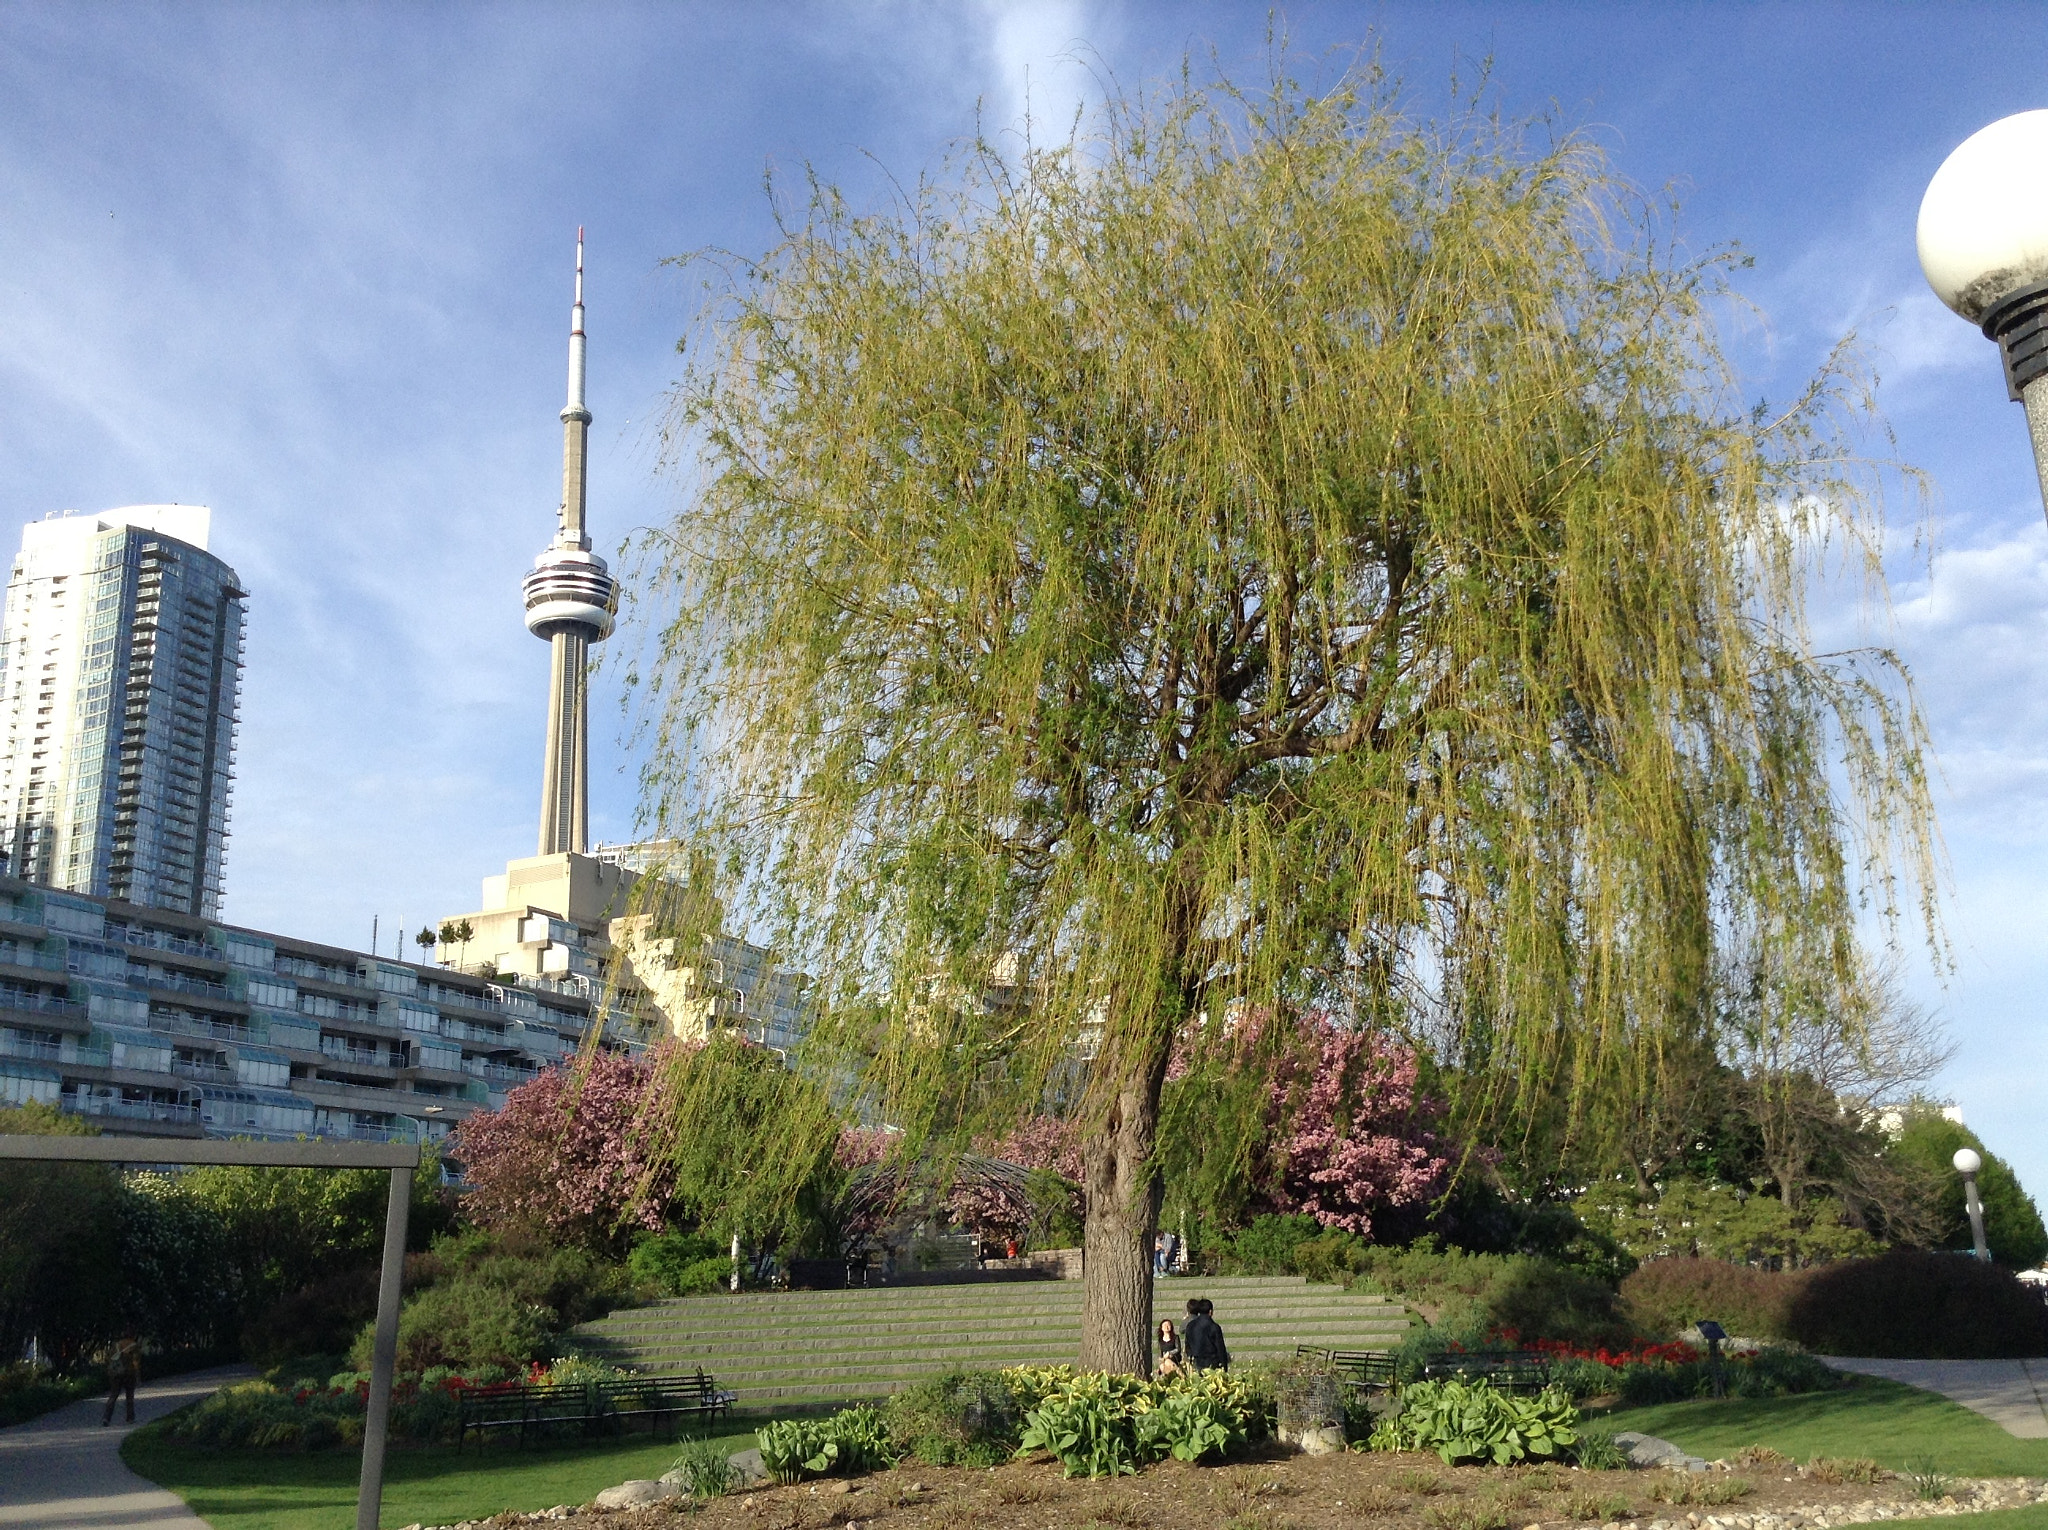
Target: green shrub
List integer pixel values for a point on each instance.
(487, 1299)
(1597, 1452)
(1475, 1422)
(1100, 1425)
(1666, 1296)
(28, 1391)
(706, 1469)
(318, 1319)
(1775, 1371)
(1917, 1306)
(851, 1440)
(966, 1418)
(680, 1263)
(461, 1323)
(1473, 1296)
(1579, 1379)
(1267, 1247)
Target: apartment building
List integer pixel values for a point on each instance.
(156, 1022)
(120, 676)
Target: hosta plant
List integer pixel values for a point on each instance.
(1463, 1422)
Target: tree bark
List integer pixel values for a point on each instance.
(1122, 1217)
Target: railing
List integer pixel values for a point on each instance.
(205, 1073)
(362, 1056)
(192, 1025)
(131, 1110)
(497, 1073)
(179, 983)
(13, 1044)
(38, 1003)
(157, 940)
(456, 1030)
(29, 956)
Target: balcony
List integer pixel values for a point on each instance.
(178, 982)
(13, 1044)
(362, 1057)
(193, 1025)
(497, 1074)
(132, 1110)
(22, 1003)
(204, 1073)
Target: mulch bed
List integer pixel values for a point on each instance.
(1403, 1492)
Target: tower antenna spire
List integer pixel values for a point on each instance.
(571, 599)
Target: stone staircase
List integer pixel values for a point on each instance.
(782, 1348)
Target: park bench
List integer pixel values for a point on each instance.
(1509, 1370)
(1361, 1370)
(589, 1409)
(528, 1409)
(655, 1399)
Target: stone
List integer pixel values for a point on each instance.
(631, 1495)
(748, 1464)
(1646, 1450)
(1321, 1440)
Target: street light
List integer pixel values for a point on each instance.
(1983, 238)
(1967, 1164)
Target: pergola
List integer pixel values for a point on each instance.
(401, 1158)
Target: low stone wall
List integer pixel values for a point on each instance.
(1060, 1263)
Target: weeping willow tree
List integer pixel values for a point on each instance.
(1266, 551)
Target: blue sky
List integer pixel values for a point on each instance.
(310, 265)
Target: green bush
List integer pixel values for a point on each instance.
(1100, 1425)
(1917, 1306)
(851, 1440)
(965, 1418)
(1475, 1422)
(1473, 1296)
(680, 1263)
(706, 1469)
(487, 1299)
(319, 1319)
(1666, 1296)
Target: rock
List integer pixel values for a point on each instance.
(630, 1495)
(1321, 1440)
(748, 1464)
(1644, 1450)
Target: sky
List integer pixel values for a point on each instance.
(310, 265)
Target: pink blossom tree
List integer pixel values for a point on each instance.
(571, 1155)
(1351, 1134)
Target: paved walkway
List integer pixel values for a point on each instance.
(63, 1469)
(2011, 1393)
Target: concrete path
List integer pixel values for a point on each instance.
(2013, 1394)
(63, 1469)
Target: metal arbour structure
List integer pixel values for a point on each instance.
(571, 599)
(400, 1158)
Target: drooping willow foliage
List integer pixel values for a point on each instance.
(1266, 552)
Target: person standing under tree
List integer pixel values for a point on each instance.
(1202, 1337)
(124, 1369)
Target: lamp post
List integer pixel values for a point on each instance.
(1967, 1164)
(1983, 238)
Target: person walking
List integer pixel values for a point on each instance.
(124, 1369)
(1170, 1361)
(1202, 1339)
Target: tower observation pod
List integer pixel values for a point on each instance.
(571, 600)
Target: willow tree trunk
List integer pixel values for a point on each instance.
(1121, 1184)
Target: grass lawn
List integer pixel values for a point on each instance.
(1898, 1426)
(266, 1490)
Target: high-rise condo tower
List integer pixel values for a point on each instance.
(570, 601)
(120, 669)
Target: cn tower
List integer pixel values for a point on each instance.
(571, 599)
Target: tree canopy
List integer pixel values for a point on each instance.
(1266, 552)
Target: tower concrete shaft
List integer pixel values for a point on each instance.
(571, 600)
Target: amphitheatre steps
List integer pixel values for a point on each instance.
(779, 1348)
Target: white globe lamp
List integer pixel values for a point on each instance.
(1983, 238)
(1968, 1161)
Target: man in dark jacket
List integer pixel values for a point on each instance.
(1202, 1338)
